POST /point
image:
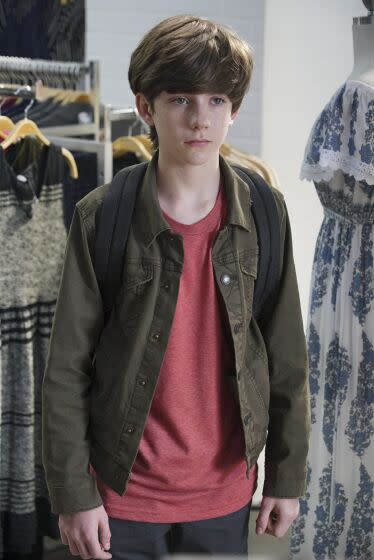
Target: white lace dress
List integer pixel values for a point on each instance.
(337, 513)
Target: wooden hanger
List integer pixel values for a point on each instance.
(26, 127)
(67, 95)
(5, 125)
(126, 144)
(146, 141)
(238, 157)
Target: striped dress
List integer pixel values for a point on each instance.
(32, 244)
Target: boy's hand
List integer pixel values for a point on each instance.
(86, 533)
(276, 516)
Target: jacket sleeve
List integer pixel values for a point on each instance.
(76, 328)
(289, 414)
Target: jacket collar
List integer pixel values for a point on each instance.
(149, 214)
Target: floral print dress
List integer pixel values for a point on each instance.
(337, 512)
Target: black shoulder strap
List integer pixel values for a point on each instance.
(112, 233)
(266, 219)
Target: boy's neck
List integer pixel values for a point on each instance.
(187, 193)
(176, 180)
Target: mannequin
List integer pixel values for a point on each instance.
(337, 512)
(363, 47)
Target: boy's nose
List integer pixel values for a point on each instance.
(199, 120)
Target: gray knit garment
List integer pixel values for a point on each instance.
(32, 245)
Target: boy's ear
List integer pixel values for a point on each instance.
(144, 108)
(234, 115)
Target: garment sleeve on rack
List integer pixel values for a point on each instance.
(77, 324)
(289, 414)
(76, 189)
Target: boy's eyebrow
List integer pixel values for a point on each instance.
(196, 93)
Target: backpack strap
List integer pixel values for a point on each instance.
(265, 215)
(112, 233)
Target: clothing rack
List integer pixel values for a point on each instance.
(66, 136)
(20, 91)
(126, 117)
(64, 75)
(102, 149)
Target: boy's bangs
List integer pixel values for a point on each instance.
(205, 73)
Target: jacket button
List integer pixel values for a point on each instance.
(246, 419)
(225, 279)
(237, 327)
(156, 336)
(130, 429)
(166, 286)
(142, 382)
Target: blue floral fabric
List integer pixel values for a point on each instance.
(342, 136)
(337, 512)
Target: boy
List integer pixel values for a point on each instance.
(147, 449)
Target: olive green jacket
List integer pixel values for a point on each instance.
(100, 380)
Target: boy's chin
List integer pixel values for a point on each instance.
(192, 157)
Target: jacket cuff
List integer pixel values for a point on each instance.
(277, 485)
(71, 499)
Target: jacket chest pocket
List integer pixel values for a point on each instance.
(137, 278)
(247, 278)
(137, 292)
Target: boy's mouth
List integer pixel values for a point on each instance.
(197, 142)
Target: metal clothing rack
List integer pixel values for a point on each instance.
(19, 91)
(64, 75)
(74, 76)
(103, 150)
(126, 118)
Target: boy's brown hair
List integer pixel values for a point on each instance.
(190, 54)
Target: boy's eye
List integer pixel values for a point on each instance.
(184, 101)
(180, 100)
(218, 100)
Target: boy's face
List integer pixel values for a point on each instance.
(190, 127)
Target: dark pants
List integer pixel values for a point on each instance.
(137, 540)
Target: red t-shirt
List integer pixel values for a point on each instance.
(191, 460)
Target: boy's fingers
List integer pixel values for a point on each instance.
(64, 538)
(104, 533)
(73, 548)
(95, 551)
(278, 525)
(83, 551)
(263, 519)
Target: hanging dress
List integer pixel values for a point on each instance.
(337, 512)
(32, 245)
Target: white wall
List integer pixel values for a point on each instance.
(115, 27)
(308, 54)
